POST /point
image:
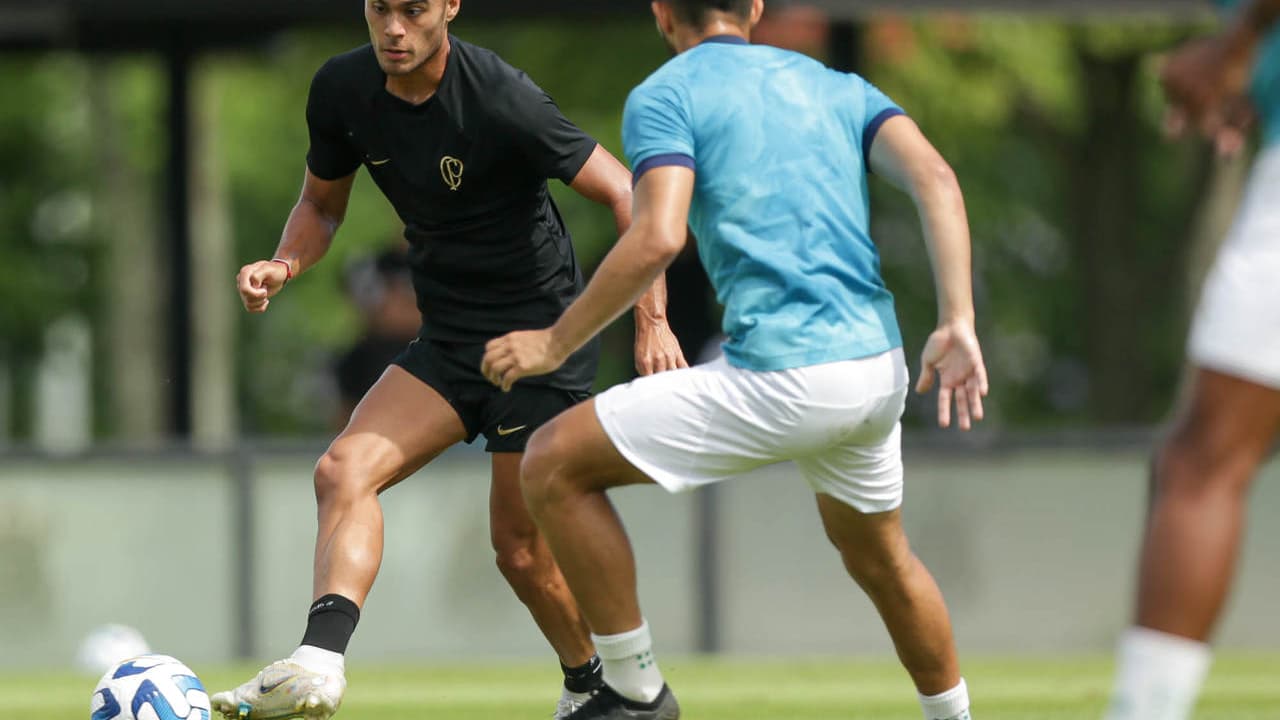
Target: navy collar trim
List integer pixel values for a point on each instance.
(725, 39)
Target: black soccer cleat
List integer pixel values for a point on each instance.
(607, 704)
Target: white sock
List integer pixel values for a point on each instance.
(1158, 675)
(629, 666)
(950, 705)
(319, 660)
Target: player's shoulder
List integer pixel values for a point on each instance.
(484, 67)
(669, 83)
(699, 66)
(797, 63)
(688, 74)
(486, 90)
(354, 70)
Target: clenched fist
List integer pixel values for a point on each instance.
(259, 282)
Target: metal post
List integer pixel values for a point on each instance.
(707, 567)
(177, 172)
(241, 471)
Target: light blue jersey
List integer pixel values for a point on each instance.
(1265, 87)
(779, 145)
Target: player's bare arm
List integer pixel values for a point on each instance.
(656, 236)
(606, 181)
(306, 238)
(902, 155)
(1205, 81)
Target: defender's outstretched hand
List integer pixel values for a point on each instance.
(657, 349)
(520, 354)
(259, 282)
(953, 354)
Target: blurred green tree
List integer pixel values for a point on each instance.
(1080, 212)
(46, 213)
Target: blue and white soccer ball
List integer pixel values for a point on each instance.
(149, 687)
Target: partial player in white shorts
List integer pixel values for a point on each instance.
(1237, 323)
(838, 421)
(1228, 420)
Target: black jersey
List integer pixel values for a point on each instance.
(467, 172)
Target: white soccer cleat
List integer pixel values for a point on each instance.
(284, 689)
(569, 702)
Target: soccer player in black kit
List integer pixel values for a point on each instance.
(462, 144)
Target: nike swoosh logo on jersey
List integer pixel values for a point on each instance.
(503, 432)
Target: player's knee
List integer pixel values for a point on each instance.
(329, 478)
(1195, 460)
(339, 475)
(876, 568)
(514, 542)
(540, 476)
(878, 576)
(517, 562)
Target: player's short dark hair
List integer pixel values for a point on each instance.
(695, 12)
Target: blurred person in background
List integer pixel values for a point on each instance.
(462, 144)
(766, 154)
(1228, 419)
(381, 289)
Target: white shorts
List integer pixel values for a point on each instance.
(1237, 323)
(838, 421)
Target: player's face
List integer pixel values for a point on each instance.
(407, 33)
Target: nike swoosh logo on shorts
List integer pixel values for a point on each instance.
(503, 432)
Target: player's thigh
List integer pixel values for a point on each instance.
(573, 453)
(510, 420)
(1235, 330)
(1226, 424)
(510, 523)
(694, 426)
(401, 424)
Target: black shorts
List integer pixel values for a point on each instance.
(507, 420)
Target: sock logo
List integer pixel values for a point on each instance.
(321, 605)
(645, 659)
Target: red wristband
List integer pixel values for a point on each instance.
(288, 268)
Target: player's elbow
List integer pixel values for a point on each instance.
(935, 176)
(663, 245)
(934, 182)
(620, 196)
(327, 214)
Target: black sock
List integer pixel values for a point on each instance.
(585, 677)
(330, 623)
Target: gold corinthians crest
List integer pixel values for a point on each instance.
(451, 170)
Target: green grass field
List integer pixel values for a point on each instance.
(1242, 687)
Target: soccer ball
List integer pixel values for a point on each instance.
(149, 687)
